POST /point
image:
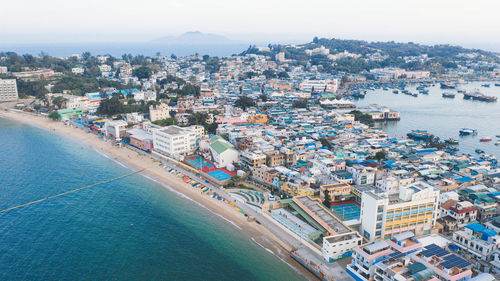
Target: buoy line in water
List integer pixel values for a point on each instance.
(70, 191)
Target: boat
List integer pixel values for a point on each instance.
(467, 132)
(447, 85)
(449, 95)
(480, 97)
(485, 85)
(486, 139)
(497, 143)
(479, 151)
(451, 141)
(395, 92)
(497, 84)
(418, 135)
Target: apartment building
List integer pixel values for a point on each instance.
(275, 158)
(414, 208)
(159, 112)
(174, 141)
(8, 90)
(251, 159)
(335, 191)
(264, 174)
(477, 240)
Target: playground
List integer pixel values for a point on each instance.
(348, 210)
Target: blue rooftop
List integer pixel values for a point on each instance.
(477, 227)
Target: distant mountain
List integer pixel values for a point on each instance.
(194, 38)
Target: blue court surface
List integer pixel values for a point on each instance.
(198, 162)
(220, 175)
(347, 211)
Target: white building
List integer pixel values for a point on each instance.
(414, 208)
(223, 152)
(8, 90)
(336, 247)
(173, 141)
(329, 85)
(477, 240)
(78, 70)
(116, 129)
(362, 175)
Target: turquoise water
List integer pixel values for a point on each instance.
(444, 117)
(130, 229)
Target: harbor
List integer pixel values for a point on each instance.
(443, 117)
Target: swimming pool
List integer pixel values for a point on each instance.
(220, 175)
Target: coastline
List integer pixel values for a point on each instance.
(135, 161)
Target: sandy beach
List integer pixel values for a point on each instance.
(136, 161)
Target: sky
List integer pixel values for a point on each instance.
(470, 23)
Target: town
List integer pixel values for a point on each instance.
(274, 132)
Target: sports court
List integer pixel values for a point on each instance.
(198, 163)
(219, 175)
(347, 211)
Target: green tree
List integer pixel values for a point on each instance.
(300, 103)
(327, 202)
(143, 72)
(165, 122)
(110, 106)
(59, 101)
(263, 97)
(54, 115)
(244, 102)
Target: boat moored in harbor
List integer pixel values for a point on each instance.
(418, 135)
(467, 132)
(486, 139)
(449, 95)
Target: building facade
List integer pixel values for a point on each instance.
(173, 141)
(8, 90)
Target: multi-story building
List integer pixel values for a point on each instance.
(330, 86)
(251, 159)
(463, 212)
(264, 174)
(335, 191)
(362, 174)
(173, 141)
(414, 208)
(8, 90)
(159, 112)
(477, 240)
(275, 158)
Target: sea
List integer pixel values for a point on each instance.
(118, 49)
(129, 229)
(443, 117)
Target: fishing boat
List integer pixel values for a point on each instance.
(486, 139)
(449, 95)
(485, 85)
(497, 143)
(497, 84)
(467, 132)
(418, 135)
(479, 151)
(451, 141)
(395, 92)
(447, 85)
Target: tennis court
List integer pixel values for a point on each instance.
(220, 175)
(347, 210)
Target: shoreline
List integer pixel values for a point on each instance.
(133, 160)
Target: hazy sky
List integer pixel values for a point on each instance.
(468, 22)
